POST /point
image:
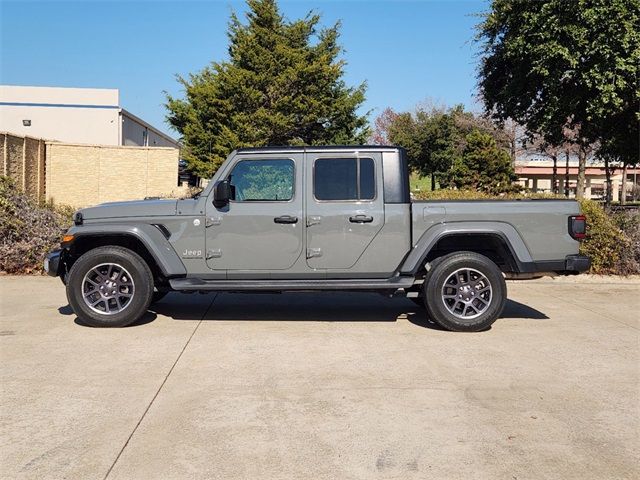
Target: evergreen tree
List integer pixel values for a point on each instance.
(282, 85)
(482, 166)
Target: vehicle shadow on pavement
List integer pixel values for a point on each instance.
(318, 307)
(146, 318)
(310, 307)
(515, 309)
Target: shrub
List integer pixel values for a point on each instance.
(447, 194)
(28, 230)
(629, 223)
(467, 194)
(604, 242)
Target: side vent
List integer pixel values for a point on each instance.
(165, 231)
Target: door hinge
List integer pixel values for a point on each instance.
(314, 252)
(313, 221)
(214, 253)
(211, 221)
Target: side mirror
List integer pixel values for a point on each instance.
(221, 193)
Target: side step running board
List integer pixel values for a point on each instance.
(289, 285)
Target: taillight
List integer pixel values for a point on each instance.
(578, 226)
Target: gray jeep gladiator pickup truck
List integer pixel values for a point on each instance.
(282, 219)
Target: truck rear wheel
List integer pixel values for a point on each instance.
(110, 287)
(464, 292)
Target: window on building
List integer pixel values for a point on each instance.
(337, 179)
(263, 180)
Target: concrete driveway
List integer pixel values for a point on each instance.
(322, 386)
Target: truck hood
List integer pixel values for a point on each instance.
(137, 208)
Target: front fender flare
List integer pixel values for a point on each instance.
(154, 241)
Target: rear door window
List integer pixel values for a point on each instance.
(344, 179)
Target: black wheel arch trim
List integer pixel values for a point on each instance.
(151, 238)
(506, 232)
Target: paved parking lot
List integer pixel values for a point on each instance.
(322, 386)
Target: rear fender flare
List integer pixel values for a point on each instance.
(427, 241)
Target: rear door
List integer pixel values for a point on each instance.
(345, 207)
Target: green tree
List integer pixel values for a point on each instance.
(621, 143)
(482, 166)
(429, 136)
(437, 139)
(562, 65)
(282, 85)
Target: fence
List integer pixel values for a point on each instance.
(23, 159)
(82, 175)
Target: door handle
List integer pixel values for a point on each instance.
(286, 219)
(361, 219)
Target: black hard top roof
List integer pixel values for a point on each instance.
(315, 148)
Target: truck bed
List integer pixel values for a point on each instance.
(541, 224)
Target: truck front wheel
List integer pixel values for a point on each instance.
(110, 287)
(464, 292)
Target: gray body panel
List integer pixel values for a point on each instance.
(137, 208)
(204, 247)
(537, 230)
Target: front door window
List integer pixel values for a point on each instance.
(263, 181)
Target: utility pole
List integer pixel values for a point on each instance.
(554, 181)
(566, 176)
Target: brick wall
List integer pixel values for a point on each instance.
(83, 175)
(23, 159)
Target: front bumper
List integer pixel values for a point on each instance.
(53, 263)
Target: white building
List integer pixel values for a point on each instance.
(75, 115)
(537, 175)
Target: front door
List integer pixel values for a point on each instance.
(261, 227)
(345, 210)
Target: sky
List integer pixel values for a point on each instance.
(406, 51)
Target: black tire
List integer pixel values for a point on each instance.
(139, 292)
(465, 312)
